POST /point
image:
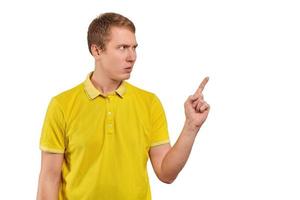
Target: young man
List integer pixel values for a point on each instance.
(97, 137)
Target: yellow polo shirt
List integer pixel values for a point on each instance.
(105, 140)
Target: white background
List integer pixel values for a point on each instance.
(250, 144)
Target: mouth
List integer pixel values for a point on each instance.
(128, 69)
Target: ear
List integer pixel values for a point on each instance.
(95, 50)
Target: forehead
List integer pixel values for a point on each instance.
(121, 35)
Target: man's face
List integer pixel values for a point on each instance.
(119, 56)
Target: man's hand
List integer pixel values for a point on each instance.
(168, 161)
(196, 109)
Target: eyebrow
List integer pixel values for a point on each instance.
(126, 45)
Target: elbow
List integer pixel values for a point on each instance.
(48, 186)
(167, 180)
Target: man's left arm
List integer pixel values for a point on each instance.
(168, 161)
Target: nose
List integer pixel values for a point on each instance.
(131, 56)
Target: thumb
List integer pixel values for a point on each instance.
(193, 97)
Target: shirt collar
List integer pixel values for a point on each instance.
(93, 92)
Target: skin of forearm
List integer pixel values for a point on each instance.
(178, 155)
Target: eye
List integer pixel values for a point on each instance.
(122, 47)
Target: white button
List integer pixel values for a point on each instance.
(109, 113)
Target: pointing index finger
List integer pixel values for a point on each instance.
(202, 85)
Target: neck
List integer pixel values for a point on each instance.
(103, 83)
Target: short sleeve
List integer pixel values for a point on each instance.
(159, 128)
(53, 131)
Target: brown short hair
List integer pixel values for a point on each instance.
(99, 29)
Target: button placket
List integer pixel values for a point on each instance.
(109, 116)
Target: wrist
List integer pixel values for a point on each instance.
(190, 127)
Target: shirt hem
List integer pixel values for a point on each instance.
(43, 148)
(159, 143)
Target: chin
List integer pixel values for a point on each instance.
(123, 77)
